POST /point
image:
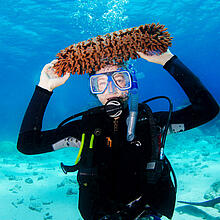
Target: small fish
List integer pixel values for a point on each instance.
(194, 211)
(209, 203)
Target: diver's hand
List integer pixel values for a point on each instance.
(159, 59)
(49, 80)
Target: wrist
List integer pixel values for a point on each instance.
(44, 86)
(166, 58)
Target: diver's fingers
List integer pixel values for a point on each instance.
(156, 58)
(46, 67)
(54, 83)
(65, 77)
(49, 71)
(61, 80)
(144, 56)
(54, 61)
(49, 66)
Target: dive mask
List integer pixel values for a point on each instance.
(121, 79)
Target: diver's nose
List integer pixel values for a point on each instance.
(111, 87)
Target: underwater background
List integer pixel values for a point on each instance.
(32, 32)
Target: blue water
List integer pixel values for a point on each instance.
(33, 31)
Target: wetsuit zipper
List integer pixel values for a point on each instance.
(115, 122)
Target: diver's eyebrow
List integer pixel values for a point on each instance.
(101, 78)
(119, 74)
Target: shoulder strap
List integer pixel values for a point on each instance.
(155, 132)
(154, 170)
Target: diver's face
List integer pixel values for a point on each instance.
(111, 91)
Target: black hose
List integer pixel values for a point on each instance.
(168, 119)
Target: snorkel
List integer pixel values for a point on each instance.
(133, 112)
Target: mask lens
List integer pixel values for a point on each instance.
(98, 83)
(122, 80)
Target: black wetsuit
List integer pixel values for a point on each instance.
(118, 164)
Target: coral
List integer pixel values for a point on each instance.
(112, 48)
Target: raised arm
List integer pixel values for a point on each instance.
(203, 106)
(31, 139)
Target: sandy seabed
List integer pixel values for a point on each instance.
(34, 187)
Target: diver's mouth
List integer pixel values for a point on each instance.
(113, 97)
(122, 98)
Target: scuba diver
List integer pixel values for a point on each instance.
(123, 172)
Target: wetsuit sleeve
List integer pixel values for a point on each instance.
(203, 106)
(32, 140)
